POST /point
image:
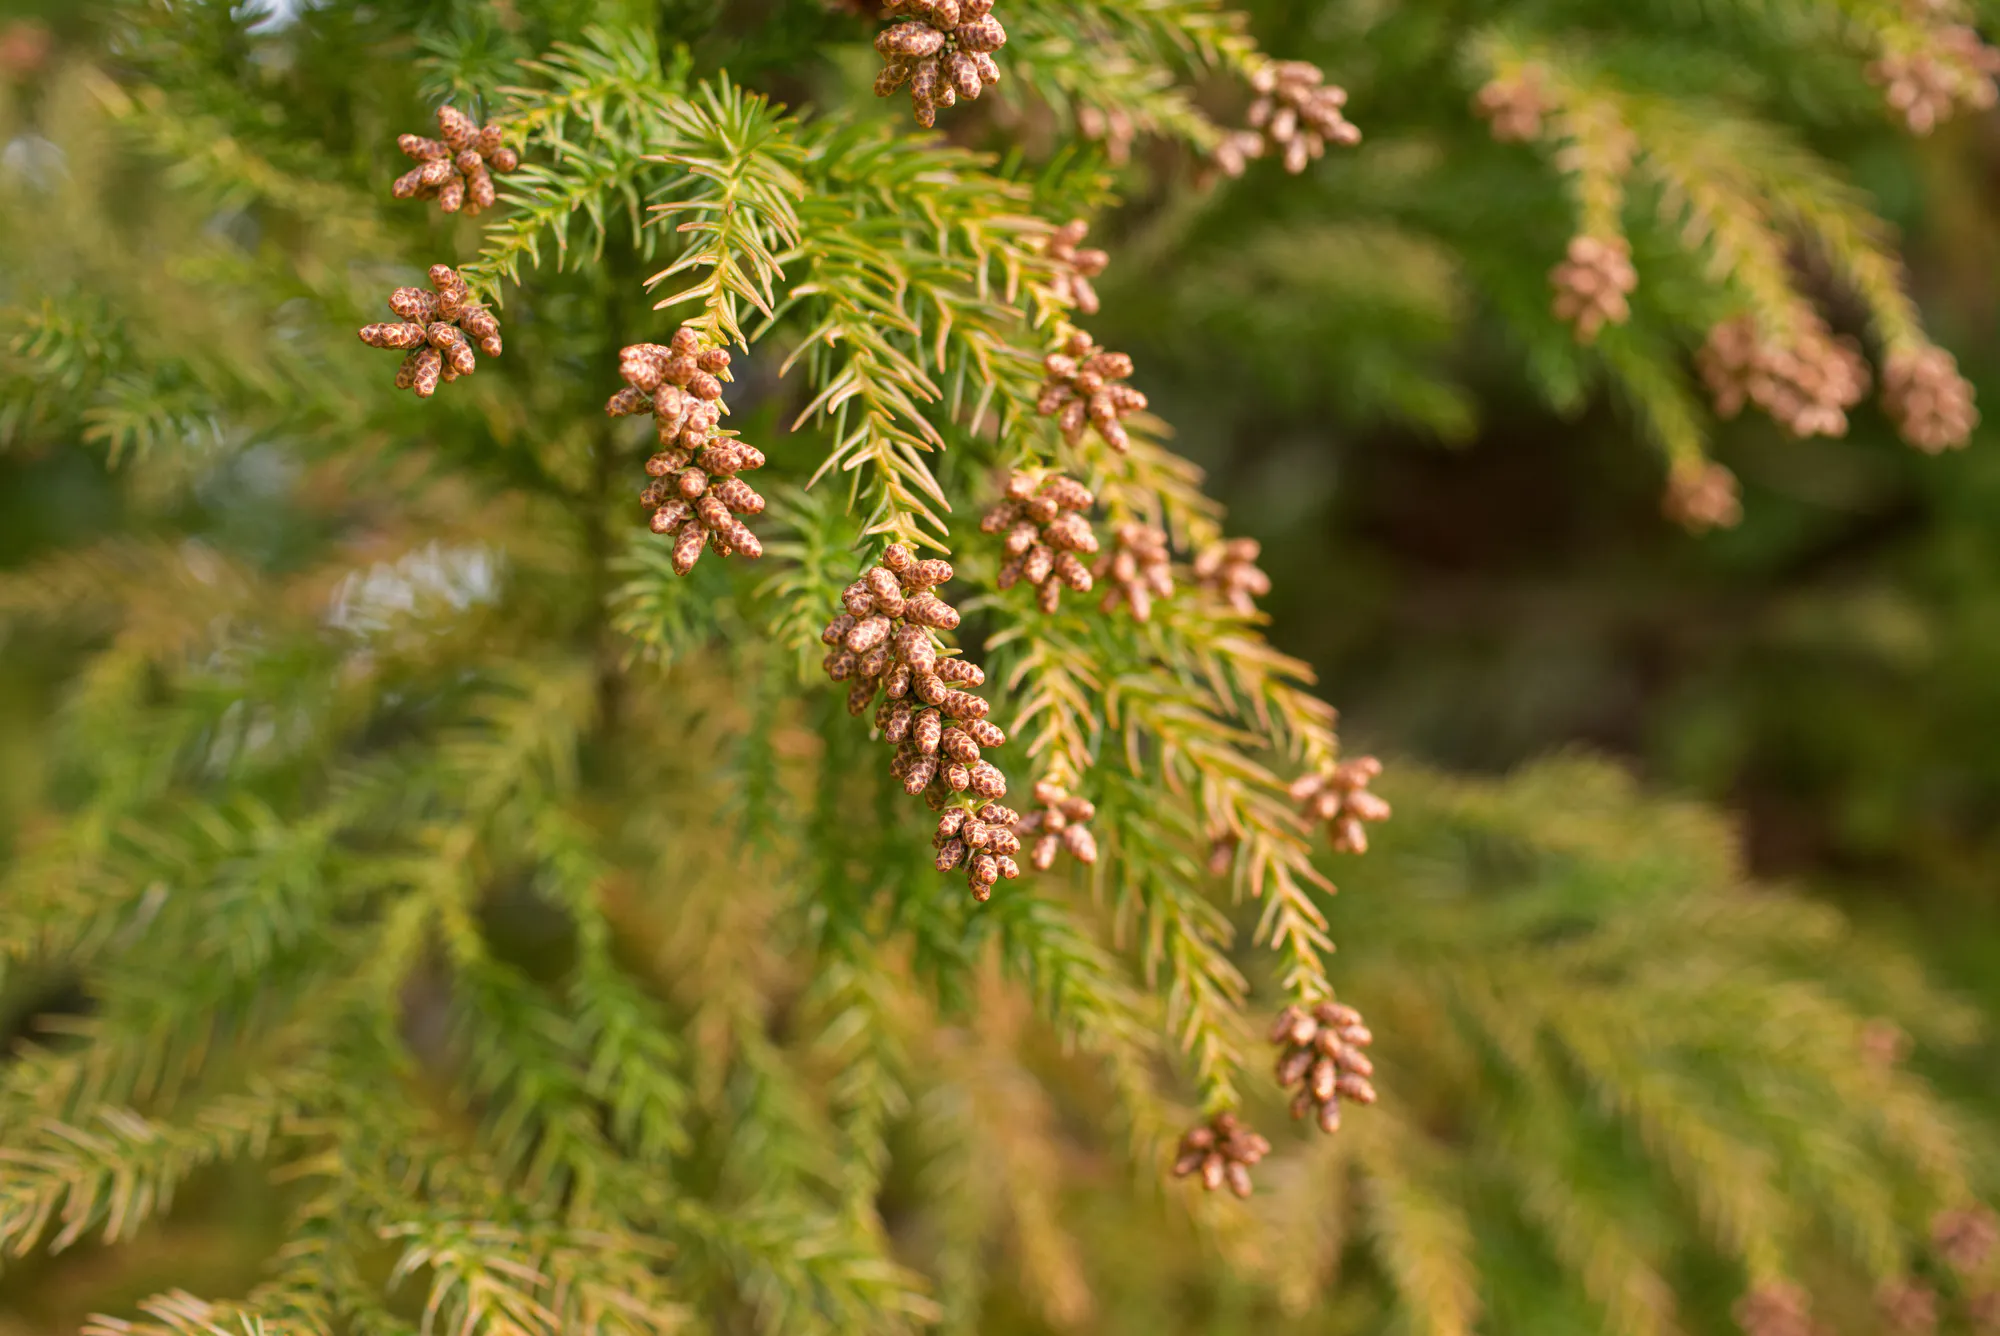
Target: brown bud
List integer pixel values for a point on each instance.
(687, 547)
(868, 633)
(960, 672)
(402, 336)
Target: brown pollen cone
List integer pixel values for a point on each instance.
(882, 643)
(942, 49)
(1299, 112)
(1046, 536)
(1139, 569)
(1229, 571)
(1775, 1308)
(1930, 403)
(1074, 266)
(1907, 1308)
(1702, 495)
(1341, 798)
(1320, 1053)
(1221, 1151)
(1058, 822)
(1513, 107)
(438, 329)
(456, 169)
(1953, 69)
(1806, 387)
(695, 494)
(1085, 388)
(1967, 1238)
(1592, 282)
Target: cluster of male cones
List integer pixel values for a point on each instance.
(437, 331)
(456, 171)
(882, 643)
(1321, 1054)
(695, 493)
(942, 49)
(1045, 530)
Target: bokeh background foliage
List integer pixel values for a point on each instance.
(1690, 835)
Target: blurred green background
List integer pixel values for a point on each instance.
(1479, 579)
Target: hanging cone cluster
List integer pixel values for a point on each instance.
(456, 170)
(1222, 1151)
(1907, 1308)
(1925, 86)
(983, 840)
(1058, 823)
(1806, 388)
(1592, 283)
(943, 49)
(1513, 107)
(1702, 495)
(1776, 1309)
(1045, 530)
(695, 494)
(1074, 268)
(1139, 569)
(1299, 112)
(882, 643)
(1085, 389)
(1930, 403)
(1321, 1055)
(1341, 798)
(1229, 571)
(1967, 1238)
(438, 329)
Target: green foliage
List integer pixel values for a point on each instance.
(556, 954)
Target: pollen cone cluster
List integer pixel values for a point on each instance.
(1907, 1308)
(882, 643)
(1229, 571)
(1776, 1309)
(1341, 798)
(438, 330)
(1058, 823)
(1926, 85)
(983, 840)
(1967, 1237)
(1701, 496)
(1085, 389)
(1321, 1054)
(943, 49)
(1045, 527)
(1221, 1152)
(695, 494)
(1930, 403)
(455, 170)
(1074, 267)
(1299, 112)
(1592, 282)
(1139, 570)
(1513, 107)
(1806, 388)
